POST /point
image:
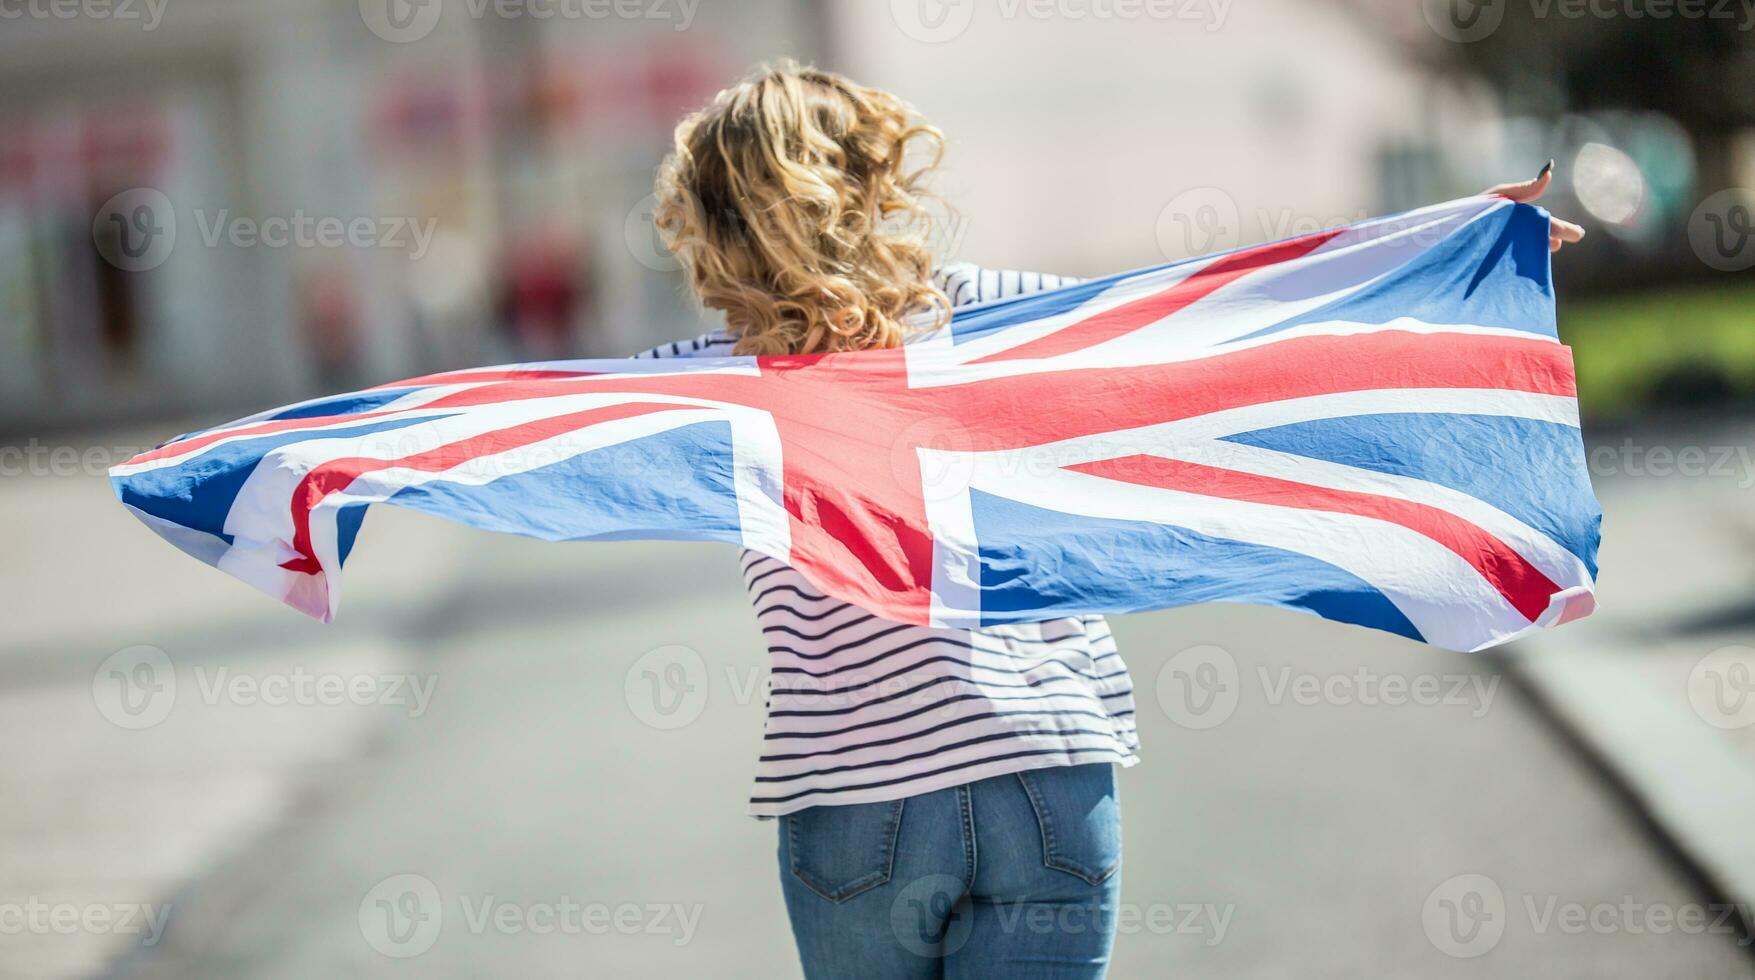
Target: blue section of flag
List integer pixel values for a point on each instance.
(353, 404)
(1036, 562)
(199, 492)
(347, 528)
(676, 484)
(989, 317)
(1492, 272)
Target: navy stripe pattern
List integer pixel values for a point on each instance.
(862, 709)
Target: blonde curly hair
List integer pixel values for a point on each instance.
(788, 202)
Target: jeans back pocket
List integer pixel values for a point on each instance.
(1080, 818)
(840, 851)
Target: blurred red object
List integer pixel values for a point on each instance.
(547, 282)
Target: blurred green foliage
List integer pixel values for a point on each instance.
(1689, 346)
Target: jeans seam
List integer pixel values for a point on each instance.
(971, 856)
(1043, 822)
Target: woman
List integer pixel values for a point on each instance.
(946, 798)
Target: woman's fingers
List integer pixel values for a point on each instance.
(1560, 232)
(1529, 190)
(1565, 231)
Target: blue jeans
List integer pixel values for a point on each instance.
(1016, 876)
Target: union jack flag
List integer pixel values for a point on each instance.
(1376, 424)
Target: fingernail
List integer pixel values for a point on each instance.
(1545, 170)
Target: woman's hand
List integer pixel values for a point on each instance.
(1559, 232)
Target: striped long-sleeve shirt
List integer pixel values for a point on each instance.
(862, 709)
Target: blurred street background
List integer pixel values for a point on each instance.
(510, 758)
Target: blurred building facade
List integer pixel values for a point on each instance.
(482, 168)
(1096, 137)
(353, 194)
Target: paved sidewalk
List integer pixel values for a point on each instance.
(1660, 684)
(567, 800)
